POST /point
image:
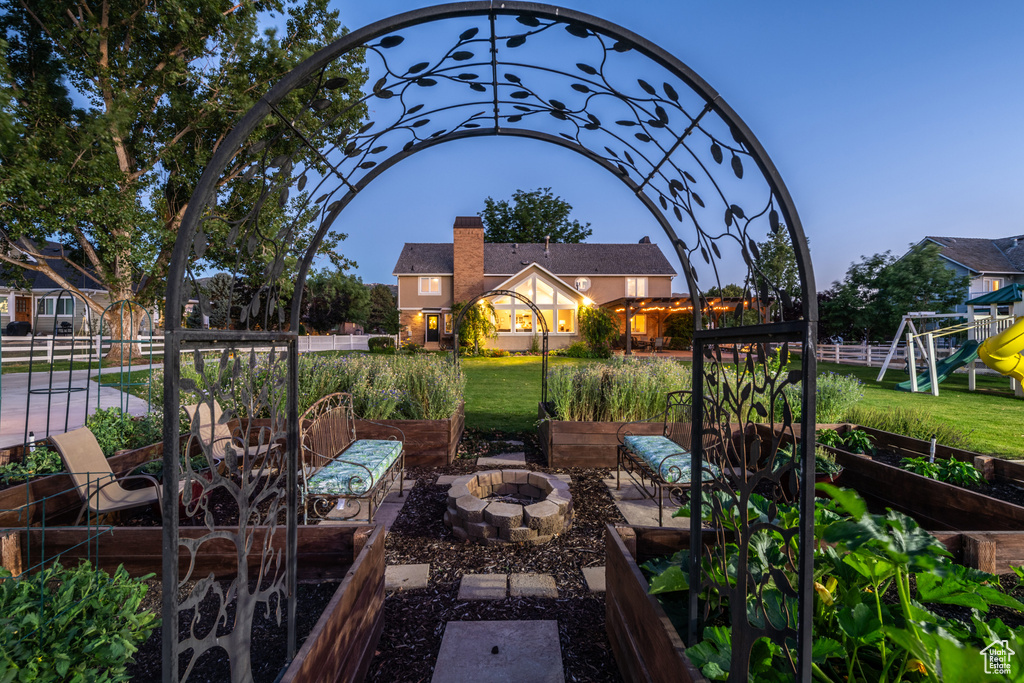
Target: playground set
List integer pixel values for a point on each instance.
(994, 335)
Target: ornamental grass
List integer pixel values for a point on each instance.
(622, 390)
(382, 387)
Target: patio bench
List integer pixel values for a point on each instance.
(335, 465)
(657, 464)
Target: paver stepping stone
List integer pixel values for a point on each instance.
(406, 576)
(499, 652)
(483, 587)
(502, 460)
(446, 479)
(532, 586)
(594, 576)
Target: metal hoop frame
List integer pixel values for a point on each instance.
(649, 150)
(536, 314)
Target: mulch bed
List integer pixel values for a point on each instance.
(414, 621)
(267, 660)
(997, 489)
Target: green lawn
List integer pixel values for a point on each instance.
(992, 415)
(502, 394)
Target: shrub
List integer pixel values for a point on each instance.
(116, 430)
(908, 421)
(71, 624)
(620, 391)
(599, 327)
(835, 397)
(577, 350)
(380, 344)
(411, 347)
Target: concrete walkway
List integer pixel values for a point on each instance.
(67, 410)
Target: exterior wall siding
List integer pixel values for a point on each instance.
(409, 296)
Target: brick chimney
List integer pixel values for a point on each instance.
(468, 279)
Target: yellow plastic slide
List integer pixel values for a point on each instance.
(1003, 352)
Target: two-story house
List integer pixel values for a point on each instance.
(990, 263)
(557, 278)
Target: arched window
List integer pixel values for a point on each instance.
(514, 317)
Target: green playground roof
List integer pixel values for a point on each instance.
(1004, 295)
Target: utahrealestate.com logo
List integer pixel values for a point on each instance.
(997, 657)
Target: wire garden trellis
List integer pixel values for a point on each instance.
(511, 69)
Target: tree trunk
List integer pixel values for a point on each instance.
(121, 325)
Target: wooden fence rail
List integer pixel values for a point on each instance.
(49, 349)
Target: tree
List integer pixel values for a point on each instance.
(730, 291)
(776, 275)
(530, 218)
(115, 110)
(384, 314)
(880, 289)
(220, 291)
(336, 298)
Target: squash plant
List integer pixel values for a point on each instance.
(874, 578)
(75, 625)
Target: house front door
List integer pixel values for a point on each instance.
(433, 327)
(23, 308)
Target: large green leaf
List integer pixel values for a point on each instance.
(860, 623)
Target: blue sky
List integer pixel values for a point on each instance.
(888, 121)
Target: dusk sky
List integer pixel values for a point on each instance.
(888, 121)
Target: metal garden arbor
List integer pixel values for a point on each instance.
(459, 72)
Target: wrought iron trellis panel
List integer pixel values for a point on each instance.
(512, 69)
(537, 315)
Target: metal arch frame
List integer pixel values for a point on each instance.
(803, 331)
(537, 315)
(50, 390)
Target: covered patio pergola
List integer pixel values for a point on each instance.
(657, 309)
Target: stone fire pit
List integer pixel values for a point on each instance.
(508, 506)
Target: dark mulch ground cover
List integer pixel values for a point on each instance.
(414, 621)
(1002, 490)
(213, 667)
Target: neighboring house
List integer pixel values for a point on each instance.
(34, 298)
(990, 263)
(557, 278)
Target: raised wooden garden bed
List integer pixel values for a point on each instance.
(343, 641)
(584, 444)
(981, 531)
(646, 645)
(53, 496)
(428, 443)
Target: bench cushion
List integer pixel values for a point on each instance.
(343, 476)
(664, 453)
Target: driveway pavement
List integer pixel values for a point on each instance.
(70, 396)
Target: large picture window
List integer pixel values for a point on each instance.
(512, 316)
(66, 306)
(638, 324)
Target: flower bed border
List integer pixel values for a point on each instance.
(646, 645)
(340, 645)
(568, 443)
(428, 443)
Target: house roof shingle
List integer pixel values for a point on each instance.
(563, 259)
(984, 255)
(36, 280)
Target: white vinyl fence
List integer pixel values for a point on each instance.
(49, 349)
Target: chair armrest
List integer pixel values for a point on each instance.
(623, 430)
(401, 434)
(156, 484)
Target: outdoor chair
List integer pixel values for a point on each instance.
(335, 465)
(660, 464)
(659, 343)
(99, 490)
(223, 440)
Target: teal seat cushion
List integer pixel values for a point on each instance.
(664, 456)
(356, 470)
